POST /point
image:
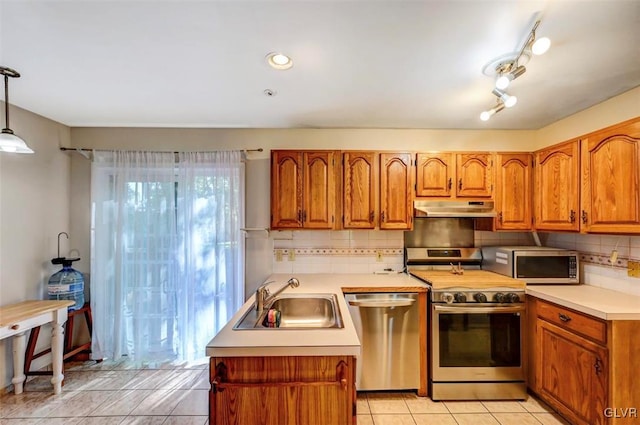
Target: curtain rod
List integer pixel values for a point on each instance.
(62, 148)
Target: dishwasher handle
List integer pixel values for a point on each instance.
(399, 302)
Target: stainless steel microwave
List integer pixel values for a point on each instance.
(535, 265)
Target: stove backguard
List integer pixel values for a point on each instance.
(440, 233)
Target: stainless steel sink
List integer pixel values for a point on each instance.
(297, 311)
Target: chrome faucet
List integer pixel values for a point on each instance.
(263, 296)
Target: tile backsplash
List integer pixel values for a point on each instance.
(370, 251)
(357, 251)
(340, 251)
(596, 254)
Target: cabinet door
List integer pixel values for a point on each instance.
(319, 190)
(359, 199)
(513, 191)
(557, 176)
(610, 172)
(286, 189)
(474, 173)
(572, 374)
(396, 191)
(435, 174)
(282, 391)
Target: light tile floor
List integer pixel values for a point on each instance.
(126, 394)
(109, 393)
(406, 408)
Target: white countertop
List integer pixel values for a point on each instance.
(599, 302)
(317, 342)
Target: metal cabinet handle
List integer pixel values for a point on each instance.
(500, 217)
(572, 216)
(382, 216)
(450, 183)
(598, 366)
(304, 215)
(221, 377)
(460, 184)
(300, 215)
(584, 217)
(564, 317)
(371, 216)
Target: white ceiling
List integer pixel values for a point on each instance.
(357, 64)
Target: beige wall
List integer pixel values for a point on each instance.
(612, 111)
(34, 208)
(370, 139)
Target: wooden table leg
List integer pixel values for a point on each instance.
(57, 350)
(18, 362)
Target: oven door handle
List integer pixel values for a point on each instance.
(462, 310)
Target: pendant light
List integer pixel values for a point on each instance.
(9, 142)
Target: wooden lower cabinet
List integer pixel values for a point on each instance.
(282, 390)
(583, 366)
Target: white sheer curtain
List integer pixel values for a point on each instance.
(167, 267)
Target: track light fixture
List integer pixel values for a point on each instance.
(507, 68)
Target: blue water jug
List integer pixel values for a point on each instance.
(67, 284)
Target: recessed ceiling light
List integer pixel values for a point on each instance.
(279, 61)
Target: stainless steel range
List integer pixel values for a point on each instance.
(477, 326)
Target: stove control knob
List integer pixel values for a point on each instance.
(499, 298)
(512, 298)
(460, 297)
(480, 297)
(447, 297)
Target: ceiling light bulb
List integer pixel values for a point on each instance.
(509, 101)
(540, 46)
(279, 61)
(506, 99)
(485, 115)
(502, 82)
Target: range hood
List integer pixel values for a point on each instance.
(471, 209)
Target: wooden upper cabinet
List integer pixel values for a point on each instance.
(286, 189)
(474, 174)
(360, 173)
(557, 194)
(454, 175)
(610, 173)
(396, 191)
(513, 191)
(435, 173)
(319, 190)
(302, 189)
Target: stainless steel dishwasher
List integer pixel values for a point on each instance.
(388, 328)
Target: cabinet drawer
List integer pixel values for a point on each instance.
(580, 323)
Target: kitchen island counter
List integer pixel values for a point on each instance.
(309, 342)
(595, 301)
